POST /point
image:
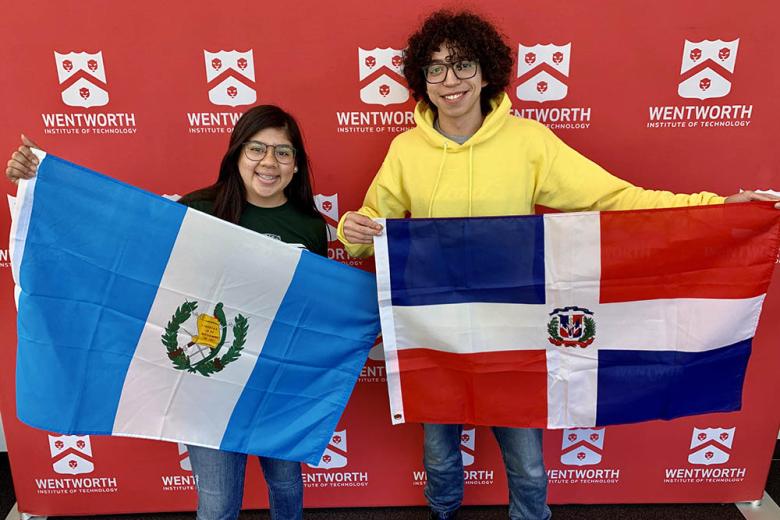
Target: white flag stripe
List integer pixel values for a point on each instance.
(572, 260)
(572, 387)
(201, 248)
(572, 263)
(20, 224)
(388, 322)
(640, 325)
(467, 328)
(657, 324)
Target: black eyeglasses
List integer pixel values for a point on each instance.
(463, 69)
(255, 151)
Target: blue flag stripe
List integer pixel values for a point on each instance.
(439, 261)
(68, 272)
(636, 386)
(308, 367)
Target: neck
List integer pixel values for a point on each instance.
(467, 124)
(267, 203)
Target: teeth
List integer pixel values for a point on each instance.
(453, 96)
(266, 177)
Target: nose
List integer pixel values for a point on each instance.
(269, 159)
(449, 77)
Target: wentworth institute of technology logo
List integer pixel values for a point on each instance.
(708, 459)
(543, 75)
(711, 446)
(381, 73)
(83, 86)
(335, 455)
(543, 71)
(230, 76)
(82, 78)
(332, 470)
(707, 68)
(582, 447)
(706, 72)
(71, 454)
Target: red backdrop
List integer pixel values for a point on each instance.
(680, 96)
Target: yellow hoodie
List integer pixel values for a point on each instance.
(505, 168)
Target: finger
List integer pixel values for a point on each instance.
(360, 229)
(28, 142)
(359, 239)
(22, 162)
(27, 153)
(365, 221)
(14, 172)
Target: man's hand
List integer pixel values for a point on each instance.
(23, 163)
(748, 195)
(359, 229)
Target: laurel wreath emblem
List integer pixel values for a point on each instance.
(587, 335)
(211, 363)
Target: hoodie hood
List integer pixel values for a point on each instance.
(424, 117)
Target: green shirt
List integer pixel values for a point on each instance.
(283, 223)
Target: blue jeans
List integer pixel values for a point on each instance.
(521, 449)
(220, 481)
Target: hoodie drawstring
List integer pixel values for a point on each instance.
(438, 178)
(471, 176)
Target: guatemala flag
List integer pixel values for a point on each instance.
(141, 317)
(572, 320)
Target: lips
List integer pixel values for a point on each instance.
(453, 97)
(266, 179)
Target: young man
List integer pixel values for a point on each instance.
(469, 157)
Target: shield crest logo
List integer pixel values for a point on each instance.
(707, 68)
(328, 205)
(383, 88)
(83, 76)
(543, 71)
(184, 457)
(335, 455)
(468, 440)
(582, 446)
(230, 76)
(711, 445)
(71, 454)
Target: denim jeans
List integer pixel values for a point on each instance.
(220, 481)
(521, 449)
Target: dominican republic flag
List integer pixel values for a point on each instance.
(572, 320)
(139, 317)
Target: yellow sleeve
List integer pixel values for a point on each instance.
(385, 198)
(573, 182)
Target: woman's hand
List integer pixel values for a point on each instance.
(359, 229)
(23, 163)
(748, 195)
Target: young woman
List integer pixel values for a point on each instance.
(468, 156)
(264, 184)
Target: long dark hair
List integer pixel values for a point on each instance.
(229, 193)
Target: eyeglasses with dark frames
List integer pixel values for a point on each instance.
(255, 151)
(463, 69)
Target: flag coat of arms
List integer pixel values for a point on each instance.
(572, 320)
(141, 317)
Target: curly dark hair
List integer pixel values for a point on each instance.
(466, 36)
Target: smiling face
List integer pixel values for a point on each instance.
(266, 179)
(457, 100)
